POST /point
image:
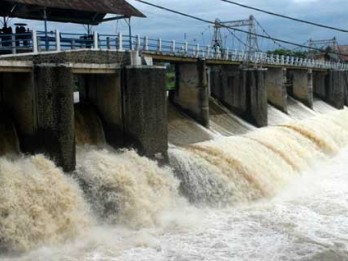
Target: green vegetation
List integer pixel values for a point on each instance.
(170, 77)
(289, 53)
(170, 81)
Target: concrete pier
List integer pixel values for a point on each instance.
(145, 110)
(55, 113)
(191, 94)
(346, 88)
(301, 86)
(275, 81)
(257, 97)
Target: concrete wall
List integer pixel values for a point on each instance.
(192, 94)
(145, 110)
(103, 91)
(319, 83)
(228, 85)
(346, 88)
(302, 86)
(55, 114)
(75, 56)
(19, 101)
(241, 90)
(256, 97)
(275, 81)
(336, 88)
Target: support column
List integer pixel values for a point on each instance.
(145, 110)
(346, 87)
(55, 113)
(275, 82)
(1, 89)
(302, 86)
(256, 97)
(191, 93)
(336, 88)
(104, 92)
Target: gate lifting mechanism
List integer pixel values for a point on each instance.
(251, 45)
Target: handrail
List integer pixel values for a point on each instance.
(39, 41)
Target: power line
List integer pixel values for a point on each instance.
(225, 26)
(238, 39)
(264, 30)
(287, 17)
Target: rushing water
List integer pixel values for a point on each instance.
(278, 193)
(8, 136)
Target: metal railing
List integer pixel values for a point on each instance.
(16, 43)
(38, 41)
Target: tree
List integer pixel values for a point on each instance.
(286, 52)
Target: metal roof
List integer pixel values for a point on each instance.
(76, 11)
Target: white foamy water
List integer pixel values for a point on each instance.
(39, 205)
(124, 188)
(321, 106)
(259, 164)
(272, 194)
(307, 221)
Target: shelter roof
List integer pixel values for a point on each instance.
(75, 11)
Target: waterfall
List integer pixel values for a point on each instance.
(124, 188)
(88, 126)
(42, 206)
(39, 204)
(8, 136)
(121, 186)
(259, 164)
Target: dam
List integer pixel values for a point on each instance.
(99, 160)
(219, 159)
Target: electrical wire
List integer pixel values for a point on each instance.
(276, 43)
(225, 26)
(238, 39)
(287, 17)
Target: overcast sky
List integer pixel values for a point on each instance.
(169, 26)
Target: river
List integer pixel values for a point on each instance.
(278, 193)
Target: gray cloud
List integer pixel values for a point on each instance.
(327, 12)
(169, 26)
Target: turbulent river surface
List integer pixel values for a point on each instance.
(277, 193)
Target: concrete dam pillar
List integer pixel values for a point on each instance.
(275, 81)
(257, 96)
(346, 88)
(192, 94)
(145, 110)
(301, 86)
(241, 90)
(55, 114)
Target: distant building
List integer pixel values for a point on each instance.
(343, 52)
